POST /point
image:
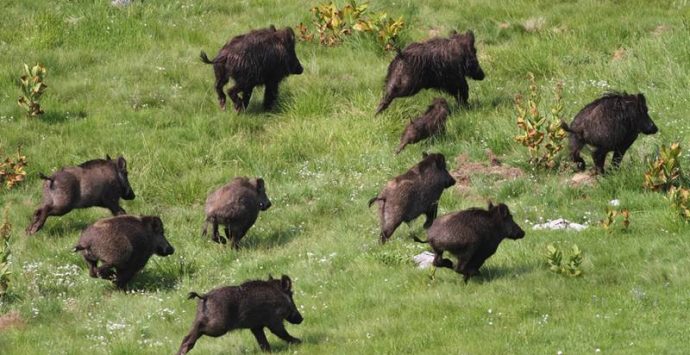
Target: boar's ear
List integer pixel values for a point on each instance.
(641, 101)
(121, 163)
(270, 277)
(502, 210)
(290, 34)
(470, 37)
(491, 206)
(453, 32)
(272, 28)
(260, 184)
(286, 283)
(424, 155)
(155, 223)
(107, 157)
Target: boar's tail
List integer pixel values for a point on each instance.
(419, 240)
(42, 176)
(192, 295)
(371, 202)
(78, 247)
(565, 127)
(204, 58)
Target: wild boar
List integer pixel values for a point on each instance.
(413, 193)
(472, 235)
(124, 243)
(260, 57)
(235, 205)
(431, 123)
(252, 305)
(610, 124)
(439, 63)
(98, 182)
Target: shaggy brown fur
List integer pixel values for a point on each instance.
(432, 122)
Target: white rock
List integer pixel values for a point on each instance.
(615, 202)
(559, 224)
(424, 260)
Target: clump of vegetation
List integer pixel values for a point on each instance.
(557, 264)
(331, 25)
(540, 133)
(12, 169)
(5, 252)
(680, 200)
(615, 218)
(664, 172)
(32, 88)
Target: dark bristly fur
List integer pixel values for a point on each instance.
(124, 243)
(252, 305)
(610, 124)
(412, 194)
(472, 235)
(235, 205)
(260, 57)
(98, 182)
(432, 122)
(439, 63)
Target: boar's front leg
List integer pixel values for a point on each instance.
(431, 215)
(460, 92)
(279, 330)
(124, 275)
(599, 157)
(115, 208)
(261, 338)
(235, 97)
(270, 95)
(618, 156)
(246, 95)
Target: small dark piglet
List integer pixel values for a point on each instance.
(252, 305)
(235, 205)
(609, 124)
(124, 243)
(431, 123)
(413, 193)
(439, 63)
(98, 182)
(471, 235)
(260, 57)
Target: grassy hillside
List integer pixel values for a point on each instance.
(128, 81)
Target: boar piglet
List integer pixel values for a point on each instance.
(124, 243)
(98, 182)
(439, 63)
(252, 305)
(235, 205)
(471, 235)
(609, 124)
(413, 193)
(260, 57)
(432, 122)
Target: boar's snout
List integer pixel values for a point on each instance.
(296, 66)
(515, 231)
(650, 128)
(448, 180)
(295, 317)
(128, 194)
(265, 204)
(165, 250)
(473, 70)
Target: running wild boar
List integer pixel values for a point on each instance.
(609, 124)
(260, 57)
(124, 243)
(98, 182)
(472, 235)
(235, 205)
(432, 122)
(439, 63)
(413, 193)
(252, 305)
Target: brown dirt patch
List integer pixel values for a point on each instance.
(660, 30)
(11, 320)
(619, 54)
(466, 169)
(583, 179)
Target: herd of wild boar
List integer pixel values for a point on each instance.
(116, 248)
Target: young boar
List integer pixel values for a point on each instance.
(124, 243)
(252, 305)
(260, 57)
(610, 124)
(439, 63)
(235, 205)
(471, 235)
(432, 122)
(413, 193)
(98, 182)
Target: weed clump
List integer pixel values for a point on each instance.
(665, 171)
(32, 88)
(558, 264)
(12, 169)
(5, 252)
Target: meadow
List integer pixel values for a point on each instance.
(128, 81)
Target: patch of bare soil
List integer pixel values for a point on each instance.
(467, 169)
(583, 179)
(11, 320)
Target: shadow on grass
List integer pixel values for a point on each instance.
(53, 117)
(489, 274)
(280, 346)
(273, 240)
(161, 279)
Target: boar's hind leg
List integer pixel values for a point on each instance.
(575, 148)
(221, 80)
(599, 157)
(279, 330)
(388, 229)
(439, 261)
(216, 235)
(38, 220)
(189, 340)
(385, 102)
(261, 338)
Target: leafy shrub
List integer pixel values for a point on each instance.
(680, 200)
(555, 261)
(32, 87)
(616, 218)
(664, 172)
(12, 169)
(540, 133)
(5, 252)
(333, 24)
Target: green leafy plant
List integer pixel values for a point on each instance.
(614, 218)
(540, 133)
(12, 169)
(5, 252)
(331, 25)
(680, 200)
(32, 88)
(555, 261)
(665, 171)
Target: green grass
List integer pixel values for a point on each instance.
(128, 81)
